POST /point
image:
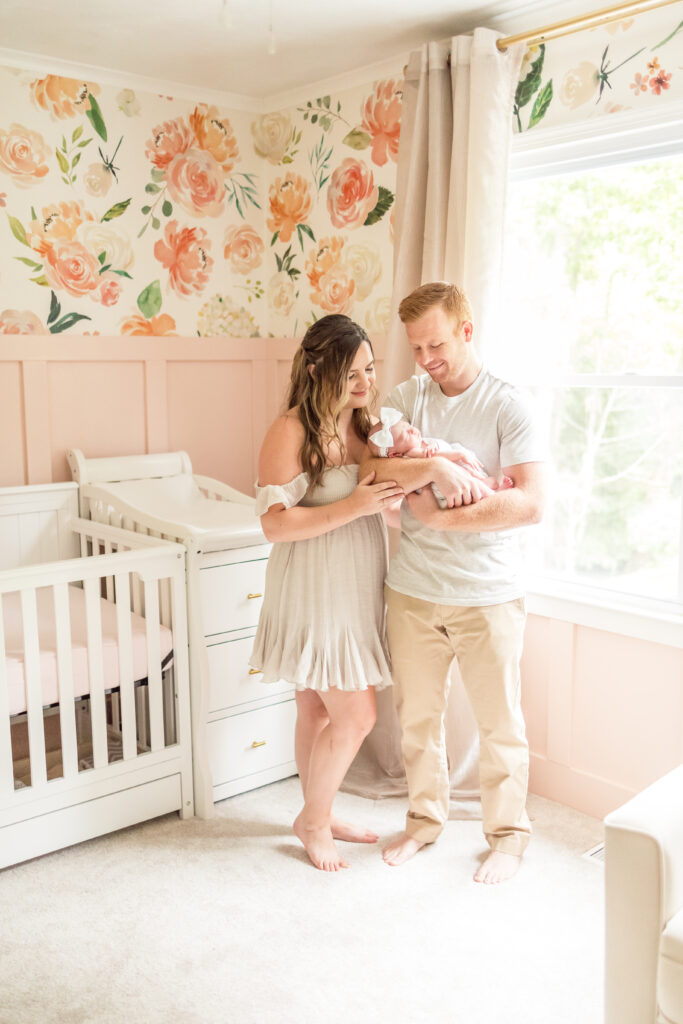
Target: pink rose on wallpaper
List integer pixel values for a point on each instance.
(98, 179)
(351, 194)
(290, 204)
(335, 290)
(195, 182)
(215, 135)
(71, 266)
(168, 140)
(381, 115)
(62, 97)
(159, 326)
(185, 255)
(243, 248)
(21, 321)
(108, 289)
(58, 222)
(322, 259)
(23, 154)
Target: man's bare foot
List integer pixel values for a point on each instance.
(401, 850)
(319, 845)
(352, 833)
(498, 867)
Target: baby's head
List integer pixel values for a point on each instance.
(395, 435)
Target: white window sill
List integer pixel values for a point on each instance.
(658, 622)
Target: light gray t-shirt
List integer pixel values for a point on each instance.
(445, 566)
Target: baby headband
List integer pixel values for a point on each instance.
(383, 438)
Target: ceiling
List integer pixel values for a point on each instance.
(185, 42)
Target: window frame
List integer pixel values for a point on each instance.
(607, 140)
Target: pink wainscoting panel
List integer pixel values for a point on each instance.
(12, 438)
(628, 708)
(96, 406)
(209, 412)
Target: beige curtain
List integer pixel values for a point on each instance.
(450, 201)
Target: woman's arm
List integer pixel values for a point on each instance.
(457, 484)
(279, 462)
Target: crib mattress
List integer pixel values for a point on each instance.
(179, 501)
(14, 646)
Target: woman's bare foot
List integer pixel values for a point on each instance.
(498, 867)
(349, 833)
(319, 845)
(401, 850)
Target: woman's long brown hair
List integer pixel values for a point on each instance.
(329, 347)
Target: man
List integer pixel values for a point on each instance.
(453, 588)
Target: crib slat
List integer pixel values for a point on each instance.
(34, 695)
(67, 703)
(156, 702)
(6, 765)
(126, 680)
(93, 620)
(109, 581)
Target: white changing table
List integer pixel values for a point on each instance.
(242, 730)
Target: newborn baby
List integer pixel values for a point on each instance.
(396, 438)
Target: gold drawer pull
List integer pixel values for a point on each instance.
(258, 743)
(255, 671)
(251, 597)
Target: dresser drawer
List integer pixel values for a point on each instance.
(231, 595)
(252, 742)
(231, 681)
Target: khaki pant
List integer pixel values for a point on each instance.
(487, 641)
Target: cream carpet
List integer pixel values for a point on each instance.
(225, 922)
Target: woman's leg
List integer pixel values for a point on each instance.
(351, 717)
(312, 717)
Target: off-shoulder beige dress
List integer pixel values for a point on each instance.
(322, 622)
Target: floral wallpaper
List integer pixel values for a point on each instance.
(130, 213)
(123, 212)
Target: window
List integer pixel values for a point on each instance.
(593, 312)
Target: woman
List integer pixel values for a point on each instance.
(322, 622)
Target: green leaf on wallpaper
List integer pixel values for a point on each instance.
(528, 86)
(156, 223)
(55, 308)
(29, 263)
(62, 161)
(384, 202)
(167, 208)
(42, 280)
(357, 139)
(102, 257)
(77, 133)
(158, 175)
(274, 238)
(669, 37)
(117, 209)
(541, 103)
(286, 160)
(75, 160)
(82, 145)
(94, 115)
(123, 273)
(34, 215)
(145, 209)
(68, 321)
(17, 229)
(314, 118)
(105, 267)
(152, 188)
(306, 230)
(326, 101)
(149, 300)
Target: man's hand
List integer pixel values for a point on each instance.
(457, 485)
(424, 507)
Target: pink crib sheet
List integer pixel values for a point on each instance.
(14, 646)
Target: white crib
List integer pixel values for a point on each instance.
(94, 681)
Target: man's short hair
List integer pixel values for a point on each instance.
(452, 300)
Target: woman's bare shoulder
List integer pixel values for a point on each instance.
(279, 460)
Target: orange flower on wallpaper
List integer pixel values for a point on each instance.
(161, 326)
(62, 97)
(71, 266)
(21, 321)
(381, 115)
(185, 255)
(215, 135)
(168, 140)
(58, 223)
(351, 194)
(195, 182)
(23, 154)
(335, 290)
(290, 204)
(243, 248)
(108, 289)
(322, 259)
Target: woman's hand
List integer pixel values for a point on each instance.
(367, 499)
(457, 485)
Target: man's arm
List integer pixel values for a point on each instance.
(457, 485)
(520, 505)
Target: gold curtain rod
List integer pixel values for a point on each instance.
(565, 28)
